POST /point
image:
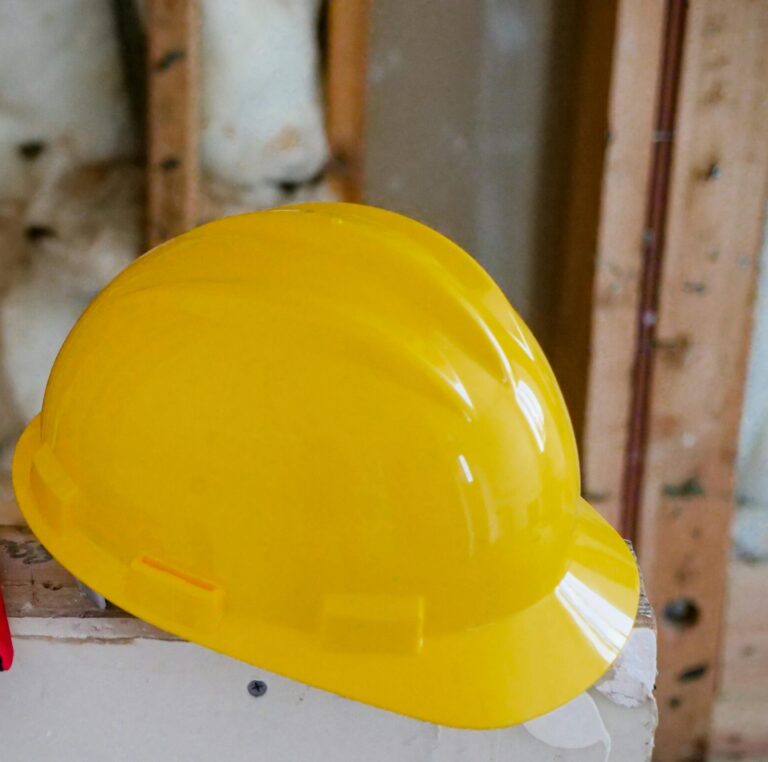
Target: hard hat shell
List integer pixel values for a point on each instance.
(319, 439)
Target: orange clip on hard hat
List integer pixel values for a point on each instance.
(319, 439)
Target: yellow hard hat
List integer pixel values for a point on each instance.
(319, 439)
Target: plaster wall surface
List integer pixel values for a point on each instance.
(79, 691)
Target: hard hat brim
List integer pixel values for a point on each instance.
(497, 675)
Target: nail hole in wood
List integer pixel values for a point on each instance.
(169, 164)
(39, 232)
(681, 612)
(693, 673)
(169, 59)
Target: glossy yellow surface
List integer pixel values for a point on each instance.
(320, 440)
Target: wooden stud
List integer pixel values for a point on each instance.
(13, 247)
(346, 79)
(713, 234)
(173, 117)
(615, 290)
(739, 729)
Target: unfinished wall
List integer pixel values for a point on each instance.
(71, 174)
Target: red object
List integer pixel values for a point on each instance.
(6, 645)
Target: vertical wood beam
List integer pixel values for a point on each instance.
(618, 266)
(346, 80)
(173, 114)
(12, 243)
(713, 233)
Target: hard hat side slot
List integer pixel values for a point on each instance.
(174, 596)
(373, 624)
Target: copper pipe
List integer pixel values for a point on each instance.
(653, 251)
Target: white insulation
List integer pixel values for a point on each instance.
(71, 186)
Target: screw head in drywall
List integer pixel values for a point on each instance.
(257, 688)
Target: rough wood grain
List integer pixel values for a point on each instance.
(739, 728)
(714, 230)
(10, 515)
(744, 660)
(173, 118)
(346, 79)
(632, 105)
(12, 246)
(35, 586)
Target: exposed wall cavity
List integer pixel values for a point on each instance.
(71, 175)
